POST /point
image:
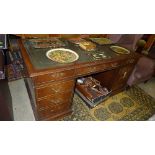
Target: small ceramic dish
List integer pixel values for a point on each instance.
(62, 55)
(101, 41)
(119, 50)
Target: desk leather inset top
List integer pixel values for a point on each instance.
(40, 61)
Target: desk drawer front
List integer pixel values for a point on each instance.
(52, 112)
(121, 77)
(55, 88)
(53, 76)
(97, 68)
(55, 100)
(89, 70)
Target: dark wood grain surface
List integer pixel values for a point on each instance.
(53, 85)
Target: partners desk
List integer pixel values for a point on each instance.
(51, 85)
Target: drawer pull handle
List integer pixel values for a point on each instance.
(131, 61)
(57, 75)
(61, 90)
(91, 69)
(56, 90)
(56, 101)
(114, 65)
(43, 108)
(51, 110)
(124, 75)
(46, 108)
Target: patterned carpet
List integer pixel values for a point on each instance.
(131, 105)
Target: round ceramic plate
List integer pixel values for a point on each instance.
(62, 55)
(101, 41)
(120, 50)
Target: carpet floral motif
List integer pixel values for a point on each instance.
(130, 105)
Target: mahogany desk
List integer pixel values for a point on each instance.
(51, 85)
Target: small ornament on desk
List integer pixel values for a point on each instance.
(76, 41)
(101, 41)
(46, 43)
(87, 45)
(84, 44)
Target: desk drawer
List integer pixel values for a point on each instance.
(98, 68)
(55, 88)
(44, 114)
(89, 70)
(53, 76)
(55, 100)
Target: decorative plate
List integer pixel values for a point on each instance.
(62, 55)
(120, 50)
(76, 40)
(101, 41)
